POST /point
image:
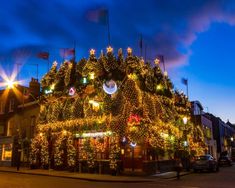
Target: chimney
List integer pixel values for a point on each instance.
(34, 87)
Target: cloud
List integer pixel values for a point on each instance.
(168, 27)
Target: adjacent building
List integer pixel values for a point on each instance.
(223, 134)
(204, 124)
(19, 110)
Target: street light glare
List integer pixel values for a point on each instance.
(10, 84)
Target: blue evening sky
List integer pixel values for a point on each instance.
(197, 40)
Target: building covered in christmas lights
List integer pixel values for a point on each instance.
(112, 113)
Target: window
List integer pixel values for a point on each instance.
(2, 106)
(11, 105)
(6, 152)
(10, 128)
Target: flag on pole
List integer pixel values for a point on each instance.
(184, 81)
(65, 52)
(99, 16)
(43, 55)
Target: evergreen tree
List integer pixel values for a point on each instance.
(60, 77)
(50, 77)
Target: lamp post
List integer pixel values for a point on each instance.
(185, 121)
(185, 144)
(133, 145)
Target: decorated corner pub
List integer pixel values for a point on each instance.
(112, 114)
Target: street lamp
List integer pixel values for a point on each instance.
(185, 144)
(185, 121)
(10, 84)
(231, 139)
(133, 145)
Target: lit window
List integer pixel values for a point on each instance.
(6, 152)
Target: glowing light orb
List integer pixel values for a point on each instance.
(84, 80)
(110, 87)
(72, 91)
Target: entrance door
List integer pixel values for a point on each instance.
(133, 159)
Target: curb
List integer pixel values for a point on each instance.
(174, 177)
(81, 178)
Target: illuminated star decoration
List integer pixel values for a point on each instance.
(54, 64)
(129, 51)
(156, 61)
(92, 52)
(109, 49)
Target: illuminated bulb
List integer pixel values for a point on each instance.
(165, 73)
(84, 80)
(52, 86)
(91, 101)
(40, 134)
(64, 132)
(92, 75)
(95, 104)
(185, 120)
(159, 87)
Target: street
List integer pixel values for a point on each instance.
(224, 178)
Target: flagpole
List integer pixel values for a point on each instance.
(48, 66)
(74, 51)
(163, 61)
(108, 27)
(187, 89)
(141, 45)
(145, 53)
(48, 63)
(63, 55)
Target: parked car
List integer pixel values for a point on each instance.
(225, 161)
(205, 162)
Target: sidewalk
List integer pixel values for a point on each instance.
(91, 177)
